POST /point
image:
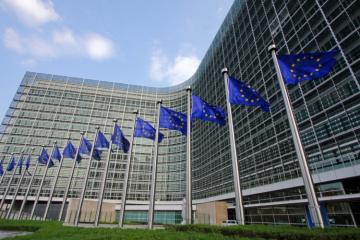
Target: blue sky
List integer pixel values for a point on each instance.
(152, 43)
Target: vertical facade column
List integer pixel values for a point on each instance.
(188, 195)
(239, 208)
(9, 183)
(42, 182)
(27, 191)
(314, 207)
(154, 170)
(81, 200)
(103, 182)
(70, 178)
(53, 187)
(127, 174)
(16, 191)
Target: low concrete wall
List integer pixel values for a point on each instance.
(211, 212)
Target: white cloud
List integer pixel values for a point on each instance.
(29, 62)
(41, 48)
(12, 40)
(183, 68)
(31, 46)
(175, 71)
(98, 47)
(157, 65)
(61, 43)
(33, 12)
(64, 37)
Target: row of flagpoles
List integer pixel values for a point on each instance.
(290, 69)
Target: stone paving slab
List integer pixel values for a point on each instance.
(6, 234)
(132, 226)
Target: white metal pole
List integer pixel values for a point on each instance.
(314, 206)
(103, 182)
(54, 185)
(188, 196)
(9, 183)
(42, 182)
(81, 200)
(16, 191)
(127, 174)
(70, 179)
(154, 171)
(27, 191)
(239, 208)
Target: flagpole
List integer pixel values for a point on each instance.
(188, 197)
(239, 208)
(70, 178)
(103, 182)
(9, 183)
(127, 174)
(42, 183)
(27, 191)
(305, 172)
(154, 170)
(54, 185)
(16, 191)
(81, 200)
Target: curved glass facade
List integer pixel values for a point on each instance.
(49, 107)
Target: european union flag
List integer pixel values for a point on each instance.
(44, 158)
(97, 154)
(207, 112)
(27, 164)
(101, 141)
(69, 150)
(11, 165)
(296, 68)
(85, 148)
(144, 129)
(119, 139)
(1, 168)
(56, 153)
(171, 119)
(242, 94)
(20, 164)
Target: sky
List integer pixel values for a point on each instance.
(153, 43)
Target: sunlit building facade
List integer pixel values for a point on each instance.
(48, 108)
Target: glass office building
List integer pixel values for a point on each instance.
(49, 107)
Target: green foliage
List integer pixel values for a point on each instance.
(55, 230)
(52, 230)
(285, 232)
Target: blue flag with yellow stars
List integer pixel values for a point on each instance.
(242, 94)
(1, 168)
(171, 119)
(206, 112)
(27, 164)
(101, 141)
(20, 164)
(69, 150)
(119, 139)
(296, 68)
(44, 158)
(85, 148)
(56, 154)
(11, 165)
(146, 130)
